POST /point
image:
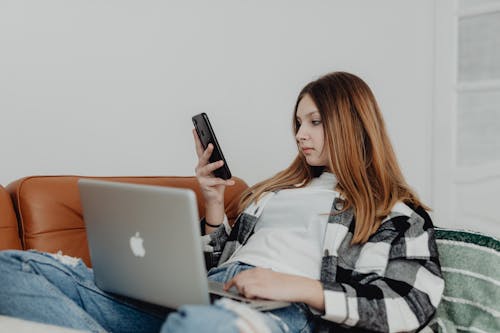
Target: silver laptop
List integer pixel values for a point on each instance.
(145, 243)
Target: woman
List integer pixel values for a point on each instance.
(338, 233)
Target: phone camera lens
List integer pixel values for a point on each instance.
(202, 133)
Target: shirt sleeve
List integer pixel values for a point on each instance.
(213, 243)
(402, 298)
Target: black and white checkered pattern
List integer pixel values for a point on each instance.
(392, 283)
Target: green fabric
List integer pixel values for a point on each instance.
(468, 237)
(457, 255)
(471, 268)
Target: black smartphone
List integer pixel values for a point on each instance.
(207, 135)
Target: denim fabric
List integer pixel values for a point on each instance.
(38, 286)
(216, 318)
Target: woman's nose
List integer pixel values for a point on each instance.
(301, 134)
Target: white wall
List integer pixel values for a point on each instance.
(109, 87)
(466, 119)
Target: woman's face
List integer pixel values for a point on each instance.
(310, 135)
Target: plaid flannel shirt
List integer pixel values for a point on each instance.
(392, 283)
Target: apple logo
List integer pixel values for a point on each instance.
(136, 244)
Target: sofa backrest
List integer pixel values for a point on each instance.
(50, 215)
(9, 233)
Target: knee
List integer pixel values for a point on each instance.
(16, 259)
(199, 318)
(10, 258)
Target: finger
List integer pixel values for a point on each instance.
(204, 170)
(235, 282)
(197, 142)
(209, 168)
(248, 293)
(217, 181)
(229, 284)
(204, 158)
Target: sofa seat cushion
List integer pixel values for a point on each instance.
(50, 213)
(9, 233)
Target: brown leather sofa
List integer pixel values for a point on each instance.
(44, 212)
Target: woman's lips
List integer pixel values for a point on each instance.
(307, 150)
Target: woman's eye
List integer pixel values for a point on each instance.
(316, 122)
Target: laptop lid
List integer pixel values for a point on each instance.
(144, 241)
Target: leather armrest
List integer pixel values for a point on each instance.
(9, 233)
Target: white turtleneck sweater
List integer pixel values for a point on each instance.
(288, 237)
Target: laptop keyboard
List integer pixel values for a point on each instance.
(217, 288)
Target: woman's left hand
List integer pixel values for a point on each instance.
(267, 284)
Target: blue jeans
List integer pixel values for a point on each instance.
(47, 288)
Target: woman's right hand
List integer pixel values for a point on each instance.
(212, 187)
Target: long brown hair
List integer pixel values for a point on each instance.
(360, 154)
